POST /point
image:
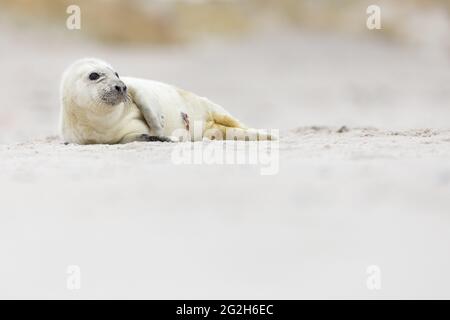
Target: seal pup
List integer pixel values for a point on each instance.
(99, 107)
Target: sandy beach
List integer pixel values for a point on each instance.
(363, 179)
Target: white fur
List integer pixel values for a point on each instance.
(154, 109)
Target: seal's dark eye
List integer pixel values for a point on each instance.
(117, 75)
(94, 76)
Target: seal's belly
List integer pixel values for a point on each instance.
(177, 110)
(182, 119)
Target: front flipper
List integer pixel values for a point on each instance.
(144, 101)
(146, 138)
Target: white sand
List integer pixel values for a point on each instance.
(141, 227)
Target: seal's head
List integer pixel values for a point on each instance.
(92, 83)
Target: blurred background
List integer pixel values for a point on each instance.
(294, 62)
(376, 192)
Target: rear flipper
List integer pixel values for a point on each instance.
(225, 127)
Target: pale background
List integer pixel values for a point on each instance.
(141, 227)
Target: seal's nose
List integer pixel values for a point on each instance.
(121, 88)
